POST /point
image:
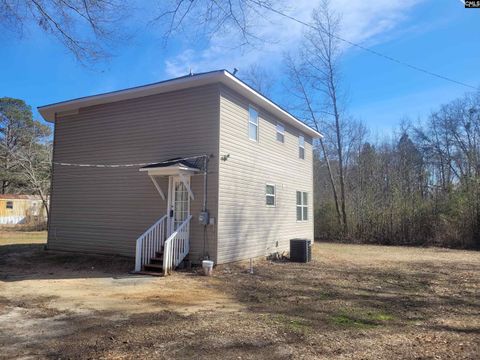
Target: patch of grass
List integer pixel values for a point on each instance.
(348, 321)
(20, 237)
(321, 295)
(382, 317)
(359, 319)
(299, 326)
(293, 324)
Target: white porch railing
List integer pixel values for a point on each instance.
(150, 242)
(176, 246)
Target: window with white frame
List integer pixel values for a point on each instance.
(252, 124)
(280, 133)
(301, 147)
(302, 206)
(270, 195)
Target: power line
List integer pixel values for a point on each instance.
(127, 165)
(374, 52)
(103, 165)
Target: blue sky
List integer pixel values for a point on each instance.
(439, 35)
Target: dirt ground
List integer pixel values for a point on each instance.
(350, 302)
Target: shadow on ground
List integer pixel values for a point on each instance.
(323, 296)
(344, 304)
(31, 261)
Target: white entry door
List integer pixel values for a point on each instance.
(178, 203)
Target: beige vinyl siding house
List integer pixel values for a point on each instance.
(104, 210)
(247, 227)
(129, 159)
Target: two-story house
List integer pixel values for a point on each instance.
(201, 165)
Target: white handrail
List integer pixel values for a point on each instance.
(150, 242)
(176, 247)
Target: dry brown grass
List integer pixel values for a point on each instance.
(351, 302)
(22, 237)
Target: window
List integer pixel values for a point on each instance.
(270, 195)
(301, 147)
(253, 124)
(9, 205)
(280, 133)
(302, 206)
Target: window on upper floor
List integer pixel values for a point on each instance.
(270, 195)
(280, 133)
(302, 206)
(301, 147)
(9, 205)
(252, 124)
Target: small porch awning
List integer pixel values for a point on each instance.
(173, 167)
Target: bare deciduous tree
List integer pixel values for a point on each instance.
(213, 16)
(90, 29)
(322, 53)
(35, 160)
(421, 186)
(258, 78)
(85, 27)
(298, 85)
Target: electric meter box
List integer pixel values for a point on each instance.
(203, 218)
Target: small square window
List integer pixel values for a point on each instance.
(280, 133)
(9, 205)
(270, 195)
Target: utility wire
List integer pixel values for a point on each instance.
(127, 165)
(103, 165)
(374, 52)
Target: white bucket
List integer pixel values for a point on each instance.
(207, 266)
